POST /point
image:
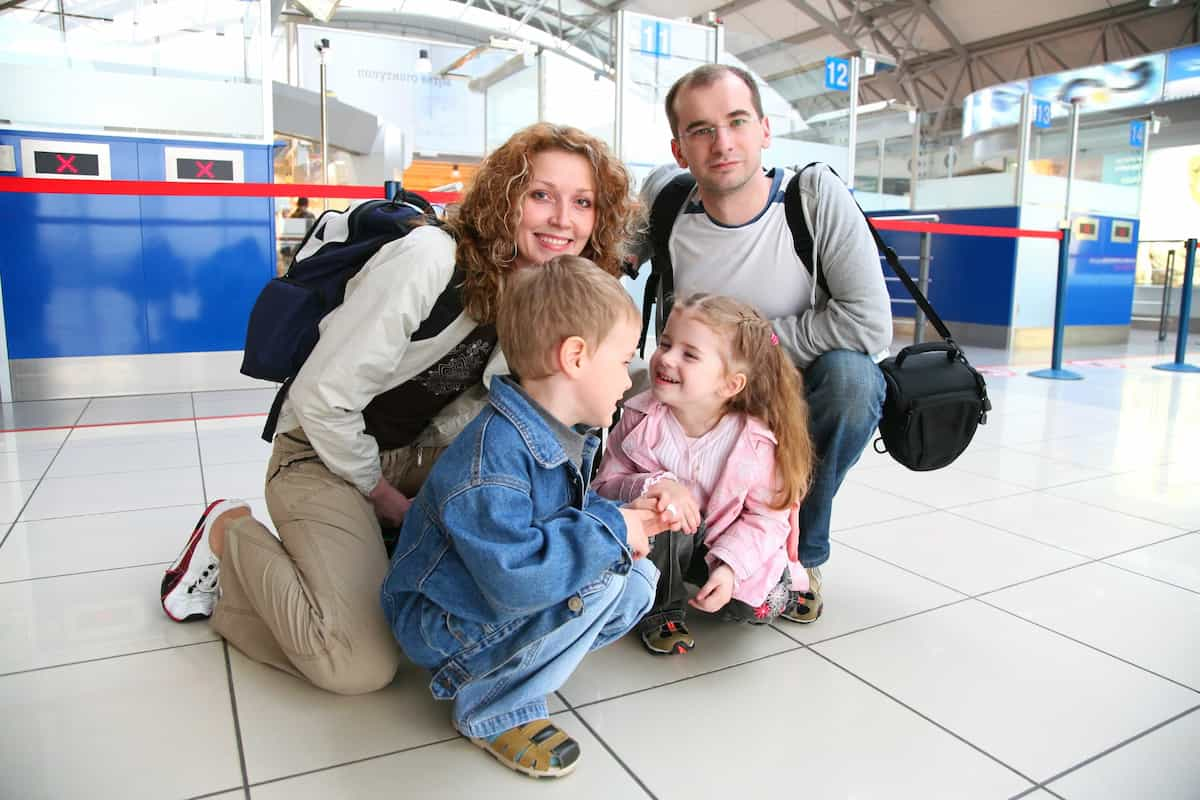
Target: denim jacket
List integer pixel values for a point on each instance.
(502, 545)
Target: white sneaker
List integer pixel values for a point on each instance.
(189, 589)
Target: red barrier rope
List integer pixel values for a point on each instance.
(885, 224)
(205, 189)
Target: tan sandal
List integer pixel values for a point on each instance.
(533, 748)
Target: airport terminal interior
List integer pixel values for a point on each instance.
(1023, 623)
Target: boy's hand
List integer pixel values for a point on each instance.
(390, 505)
(716, 591)
(676, 503)
(640, 524)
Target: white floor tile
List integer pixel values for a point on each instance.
(243, 479)
(961, 554)
(1176, 561)
(154, 726)
(139, 408)
(13, 441)
(289, 726)
(236, 401)
(95, 542)
(40, 414)
(1023, 469)
(862, 744)
(1145, 493)
(125, 433)
(1073, 525)
(625, 665)
(945, 488)
(460, 769)
(124, 491)
(1011, 688)
(857, 504)
(1161, 765)
(860, 591)
(230, 446)
(79, 617)
(24, 465)
(13, 496)
(79, 458)
(1143, 621)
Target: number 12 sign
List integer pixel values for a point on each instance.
(837, 74)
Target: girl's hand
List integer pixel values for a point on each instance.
(675, 502)
(715, 593)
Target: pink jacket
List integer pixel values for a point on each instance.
(743, 530)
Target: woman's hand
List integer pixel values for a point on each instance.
(390, 505)
(676, 503)
(716, 591)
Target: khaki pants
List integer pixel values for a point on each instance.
(308, 602)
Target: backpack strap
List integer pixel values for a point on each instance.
(447, 308)
(660, 286)
(802, 238)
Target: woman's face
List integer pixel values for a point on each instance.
(558, 210)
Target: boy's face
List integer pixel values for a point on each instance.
(605, 377)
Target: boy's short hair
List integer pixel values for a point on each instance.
(542, 306)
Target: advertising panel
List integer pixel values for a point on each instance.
(1183, 73)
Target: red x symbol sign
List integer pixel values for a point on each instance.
(66, 163)
(204, 170)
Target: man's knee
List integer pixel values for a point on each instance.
(845, 384)
(367, 673)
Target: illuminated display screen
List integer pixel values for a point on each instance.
(1122, 230)
(200, 169)
(59, 163)
(1087, 227)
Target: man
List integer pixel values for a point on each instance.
(732, 237)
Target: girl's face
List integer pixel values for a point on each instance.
(558, 211)
(687, 370)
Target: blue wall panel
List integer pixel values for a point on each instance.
(92, 275)
(971, 277)
(205, 258)
(71, 267)
(1100, 286)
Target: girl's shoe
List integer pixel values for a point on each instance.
(537, 749)
(806, 607)
(189, 589)
(667, 638)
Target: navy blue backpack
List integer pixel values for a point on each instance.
(283, 323)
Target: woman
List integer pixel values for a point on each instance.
(372, 408)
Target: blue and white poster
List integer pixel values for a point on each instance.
(1183, 73)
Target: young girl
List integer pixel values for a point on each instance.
(721, 440)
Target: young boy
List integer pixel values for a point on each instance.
(508, 571)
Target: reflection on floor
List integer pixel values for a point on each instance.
(1025, 622)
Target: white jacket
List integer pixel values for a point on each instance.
(365, 350)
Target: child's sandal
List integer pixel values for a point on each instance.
(538, 749)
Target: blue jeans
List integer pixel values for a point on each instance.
(845, 393)
(515, 692)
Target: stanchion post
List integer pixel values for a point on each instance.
(923, 285)
(1185, 313)
(391, 189)
(1056, 372)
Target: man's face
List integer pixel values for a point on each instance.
(720, 136)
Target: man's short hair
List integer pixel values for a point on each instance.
(543, 306)
(707, 75)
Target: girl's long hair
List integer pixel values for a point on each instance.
(774, 391)
(485, 224)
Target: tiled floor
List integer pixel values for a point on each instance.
(1024, 623)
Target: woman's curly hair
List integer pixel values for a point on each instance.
(485, 224)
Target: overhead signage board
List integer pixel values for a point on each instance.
(1183, 73)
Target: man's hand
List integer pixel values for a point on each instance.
(716, 591)
(675, 501)
(641, 523)
(390, 505)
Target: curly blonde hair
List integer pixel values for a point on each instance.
(485, 224)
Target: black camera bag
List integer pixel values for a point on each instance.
(935, 398)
